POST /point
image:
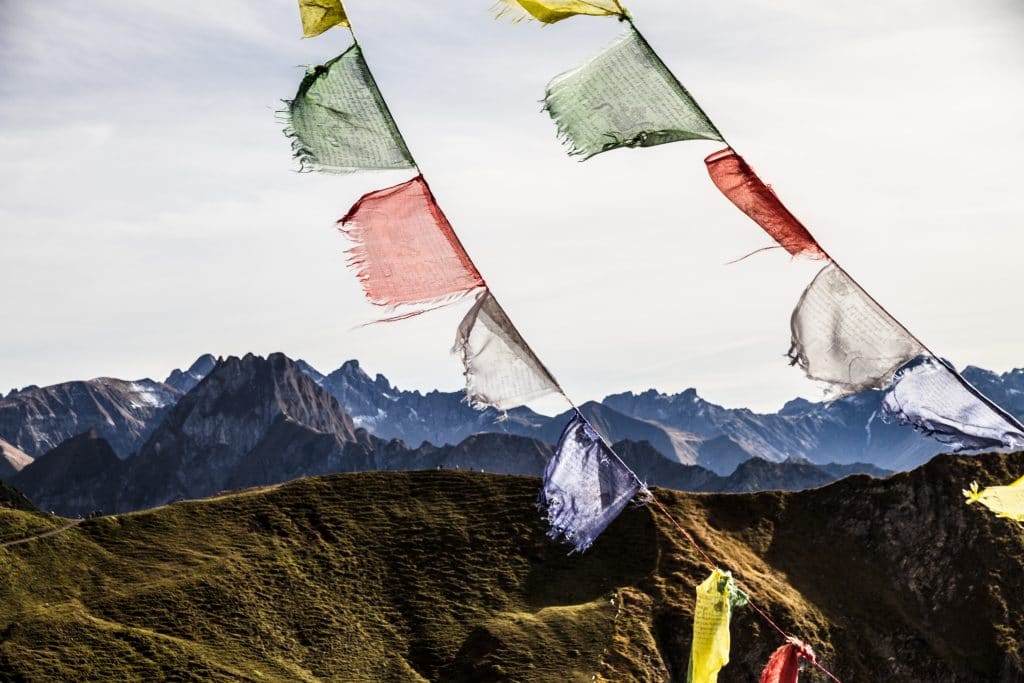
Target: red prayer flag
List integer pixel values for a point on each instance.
(405, 250)
(740, 184)
(784, 665)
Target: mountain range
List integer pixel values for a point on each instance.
(117, 445)
(255, 421)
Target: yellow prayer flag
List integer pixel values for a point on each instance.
(710, 649)
(1005, 501)
(320, 15)
(550, 11)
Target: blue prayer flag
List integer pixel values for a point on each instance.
(586, 485)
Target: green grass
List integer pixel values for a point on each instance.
(358, 577)
(449, 576)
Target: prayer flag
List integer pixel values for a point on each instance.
(784, 665)
(1005, 501)
(624, 97)
(405, 250)
(930, 395)
(339, 123)
(843, 337)
(586, 486)
(501, 369)
(320, 15)
(550, 11)
(742, 187)
(709, 652)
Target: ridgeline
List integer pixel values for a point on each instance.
(412, 576)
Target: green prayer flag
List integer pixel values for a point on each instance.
(624, 97)
(339, 122)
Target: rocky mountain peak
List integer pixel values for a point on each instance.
(310, 371)
(241, 397)
(185, 380)
(243, 405)
(797, 406)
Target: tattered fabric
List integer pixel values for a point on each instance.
(842, 337)
(930, 395)
(339, 123)
(709, 652)
(320, 15)
(550, 11)
(784, 665)
(624, 97)
(501, 370)
(740, 184)
(405, 250)
(1006, 501)
(586, 486)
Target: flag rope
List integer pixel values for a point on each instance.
(693, 541)
(561, 391)
(486, 286)
(626, 17)
(714, 565)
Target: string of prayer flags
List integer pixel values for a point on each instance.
(843, 337)
(585, 486)
(709, 652)
(501, 370)
(339, 122)
(1006, 501)
(320, 15)
(550, 11)
(624, 97)
(784, 665)
(738, 182)
(930, 395)
(405, 251)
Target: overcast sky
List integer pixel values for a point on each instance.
(150, 211)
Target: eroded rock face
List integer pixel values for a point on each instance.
(123, 412)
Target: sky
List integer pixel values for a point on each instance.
(150, 210)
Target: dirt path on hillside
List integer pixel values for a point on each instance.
(51, 532)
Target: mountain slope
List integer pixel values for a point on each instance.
(124, 413)
(80, 476)
(449, 576)
(12, 460)
(13, 499)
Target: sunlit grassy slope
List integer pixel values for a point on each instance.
(449, 576)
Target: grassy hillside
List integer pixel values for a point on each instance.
(448, 576)
(13, 499)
